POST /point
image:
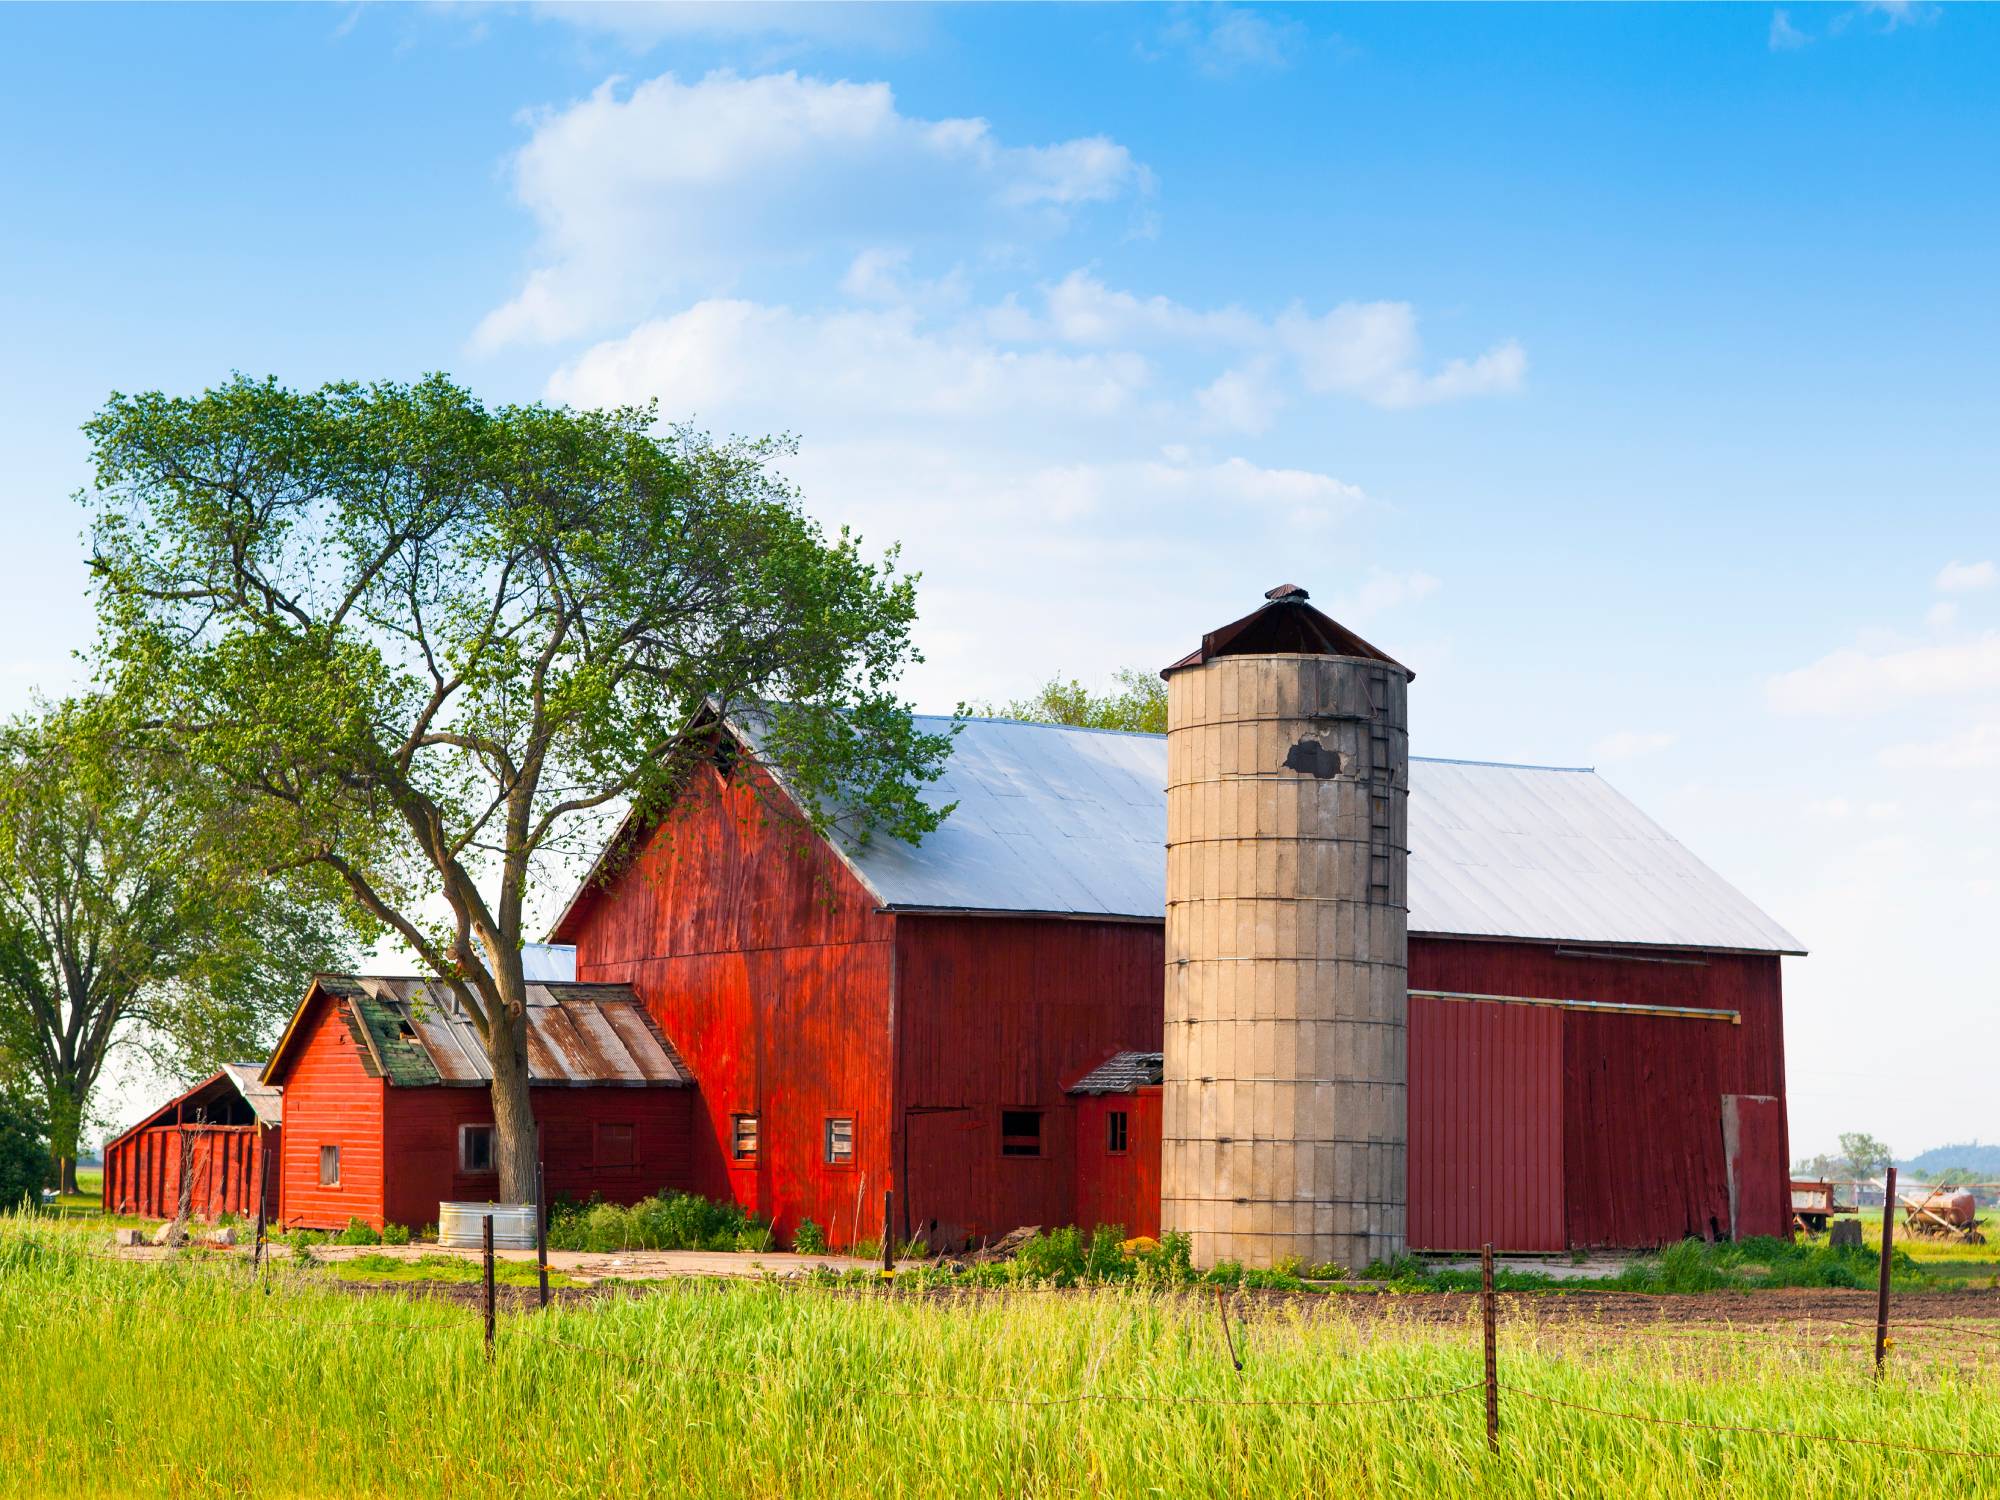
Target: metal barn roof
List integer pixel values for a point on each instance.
(1073, 822)
(263, 1100)
(413, 1033)
(1122, 1073)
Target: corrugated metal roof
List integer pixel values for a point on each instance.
(264, 1100)
(1073, 821)
(1122, 1074)
(598, 1034)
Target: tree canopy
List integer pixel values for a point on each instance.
(433, 643)
(1137, 702)
(1864, 1153)
(129, 917)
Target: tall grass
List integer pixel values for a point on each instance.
(184, 1378)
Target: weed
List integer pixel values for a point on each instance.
(808, 1238)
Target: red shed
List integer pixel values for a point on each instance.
(226, 1128)
(1589, 1001)
(387, 1110)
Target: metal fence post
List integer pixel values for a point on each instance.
(541, 1235)
(1882, 1285)
(888, 1232)
(489, 1286)
(1487, 1316)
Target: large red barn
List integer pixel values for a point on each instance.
(388, 1110)
(1595, 1025)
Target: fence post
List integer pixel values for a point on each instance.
(888, 1232)
(1487, 1317)
(541, 1235)
(1882, 1285)
(263, 1200)
(489, 1286)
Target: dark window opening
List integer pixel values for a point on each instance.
(1116, 1132)
(617, 1146)
(1020, 1132)
(329, 1166)
(840, 1141)
(743, 1137)
(475, 1148)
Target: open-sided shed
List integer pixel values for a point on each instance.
(219, 1136)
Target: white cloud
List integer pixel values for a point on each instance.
(1785, 37)
(1973, 749)
(1942, 615)
(1853, 681)
(1956, 577)
(668, 186)
(1245, 400)
(1223, 40)
(1630, 744)
(1371, 350)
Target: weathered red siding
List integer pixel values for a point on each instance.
(768, 967)
(330, 1100)
(1485, 1126)
(994, 1014)
(142, 1171)
(422, 1128)
(1121, 1188)
(1642, 1096)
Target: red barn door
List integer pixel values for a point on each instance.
(1753, 1144)
(1486, 1132)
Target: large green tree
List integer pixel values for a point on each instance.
(128, 916)
(436, 642)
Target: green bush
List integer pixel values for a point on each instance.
(809, 1238)
(395, 1234)
(675, 1221)
(25, 1167)
(357, 1233)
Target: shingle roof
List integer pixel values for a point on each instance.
(1122, 1074)
(1073, 821)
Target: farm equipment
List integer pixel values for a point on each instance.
(1813, 1205)
(1946, 1213)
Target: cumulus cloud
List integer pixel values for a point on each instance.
(1784, 36)
(1956, 577)
(1224, 40)
(1976, 748)
(663, 187)
(1855, 681)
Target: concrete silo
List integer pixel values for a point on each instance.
(1286, 943)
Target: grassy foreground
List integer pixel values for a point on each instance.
(183, 1378)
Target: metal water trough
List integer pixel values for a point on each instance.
(461, 1226)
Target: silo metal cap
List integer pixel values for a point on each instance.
(1284, 625)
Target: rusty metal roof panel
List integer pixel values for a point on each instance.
(1123, 1073)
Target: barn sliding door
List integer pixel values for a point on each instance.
(1485, 1119)
(1753, 1146)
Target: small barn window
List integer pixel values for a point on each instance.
(1116, 1132)
(840, 1141)
(475, 1148)
(329, 1166)
(743, 1137)
(1020, 1132)
(615, 1146)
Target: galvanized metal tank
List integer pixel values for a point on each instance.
(460, 1225)
(1286, 943)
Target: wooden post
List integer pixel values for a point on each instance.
(541, 1235)
(1487, 1316)
(888, 1231)
(489, 1286)
(1882, 1284)
(263, 1186)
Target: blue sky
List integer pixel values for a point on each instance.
(1628, 371)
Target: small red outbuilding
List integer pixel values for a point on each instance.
(388, 1111)
(225, 1129)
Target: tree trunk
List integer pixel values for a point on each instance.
(513, 1109)
(66, 1171)
(67, 1095)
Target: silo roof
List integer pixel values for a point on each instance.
(1072, 822)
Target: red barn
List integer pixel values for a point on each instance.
(387, 1109)
(1596, 1050)
(225, 1128)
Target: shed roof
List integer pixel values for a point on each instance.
(1122, 1074)
(1073, 822)
(230, 1079)
(260, 1096)
(413, 1033)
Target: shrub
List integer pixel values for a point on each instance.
(357, 1233)
(396, 1234)
(675, 1221)
(24, 1150)
(809, 1238)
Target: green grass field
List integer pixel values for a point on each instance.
(184, 1377)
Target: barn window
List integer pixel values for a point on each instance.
(329, 1166)
(615, 1146)
(840, 1141)
(1116, 1132)
(475, 1148)
(1020, 1132)
(743, 1137)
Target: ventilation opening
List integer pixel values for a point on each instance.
(1020, 1132)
